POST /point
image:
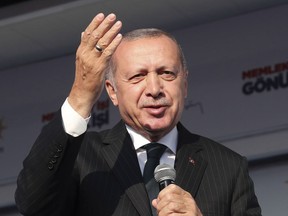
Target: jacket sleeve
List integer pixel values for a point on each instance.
(244, 200)
(47, 185)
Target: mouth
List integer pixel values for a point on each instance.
(156, 111)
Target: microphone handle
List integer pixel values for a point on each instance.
(165, 183)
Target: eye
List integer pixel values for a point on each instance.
(168, 75)
(137, 77)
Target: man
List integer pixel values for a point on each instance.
(70, 171)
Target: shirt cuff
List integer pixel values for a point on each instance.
(74, 124)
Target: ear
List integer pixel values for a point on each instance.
(111, 92)
(186, 84)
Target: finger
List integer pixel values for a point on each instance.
(113, 45)
(109, 36)
(173, 207)
(97, 20)
(101, 30)
(175, 199)
(178, 205)
(170, 189)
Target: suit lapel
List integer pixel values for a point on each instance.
(120, 154)
(189, 164)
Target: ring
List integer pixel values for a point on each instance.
(99, 48)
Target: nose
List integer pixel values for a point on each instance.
(153, 85)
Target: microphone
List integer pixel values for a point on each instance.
(164, 174)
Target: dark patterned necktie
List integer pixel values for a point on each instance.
(154, 152)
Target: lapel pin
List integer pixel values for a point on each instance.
(192, 161)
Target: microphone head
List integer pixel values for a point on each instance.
(164, 172)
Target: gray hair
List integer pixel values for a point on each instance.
(139, 34)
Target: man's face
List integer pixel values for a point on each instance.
(150, 85)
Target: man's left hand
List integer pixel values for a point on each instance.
(173, 200)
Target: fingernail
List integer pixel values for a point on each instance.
(100, 16)
(118, 23)
(112, 16)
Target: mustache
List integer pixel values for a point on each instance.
(155, 102)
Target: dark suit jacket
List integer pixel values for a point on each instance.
(98, 174)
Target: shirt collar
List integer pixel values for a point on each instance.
(169, 140)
